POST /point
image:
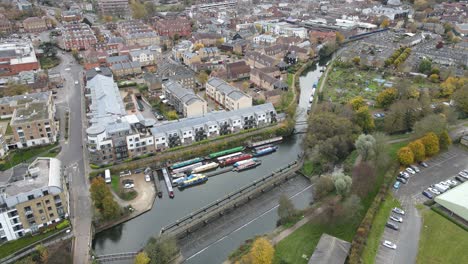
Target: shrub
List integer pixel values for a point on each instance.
(405, 156)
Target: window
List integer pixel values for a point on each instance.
(28, 127)
(51, 215)
(42, 135)
(45, 192)
(31, 197)
(38, 205)
(41, 211)
(47, 201)
(27, 208)
(40, 129)
(31, 137)
(49, 208)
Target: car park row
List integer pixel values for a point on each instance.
(443, 186)
(395, 217)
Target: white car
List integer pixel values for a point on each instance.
(410, 170)
(434, 191)
(444, 183)
(147, 178)
(451, 182)
(129, 186)
(76, 82)
(67, 69)
(398, 211)
(396, 218)
(389, 244)
(463, 174)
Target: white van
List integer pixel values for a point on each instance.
(107, 176)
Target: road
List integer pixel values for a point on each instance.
(72, 157)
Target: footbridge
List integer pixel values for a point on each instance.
(211, 212)
(116, 257)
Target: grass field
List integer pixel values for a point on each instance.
(378, 227)
(15, 245)
(393, 149)
(23, 155)
(441, 241)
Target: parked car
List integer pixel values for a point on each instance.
(396, 218)
(398, 211)
(129, 186)
(415, 168)
(434, 191)
(424, 164)
(460, 179)
(427, 194)
(389, 244)
(402, 180)
(440, 188)
(125, 173)
(404, 174)
(392, 226)
(463, 174)
(451, 183)
(147, 178)
(139, 170)
(396, 185)
(410, 170)
(76, 82)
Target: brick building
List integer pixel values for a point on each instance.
(117, 8)
(77, 36)
(34, 24)
(172, 26)
(17, 56)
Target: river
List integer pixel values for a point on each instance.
(133, 235)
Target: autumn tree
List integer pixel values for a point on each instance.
(365, 146)
(431, 144)
(142, 258)
(402, 116)
(364, 119)
(203, 77)
(364, 178)
(198, 46)
(405, 156)
(219, 41)
(286, 210)
(417, 147)
(172, 115)
(98, 191)
(451, 84)
(262, 252)
(356, 60)
(161, 250)
(357, 102)
(387, 97)
(436, 123)
(110, 208)
(385, 23)
(43, 253)
(339, 37)
(461, 99)
(444, 140)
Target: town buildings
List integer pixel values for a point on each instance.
(77, 36)
(17, 56)
(134, 32)
(184, 100)
(228, 96)
(178, 73)
(34, 24)
(32, 200)
(173, 26)
(117, 8)
(144, 56)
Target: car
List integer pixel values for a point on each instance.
(427, 194)
(465, 171)
(125, 173)
(68, 231)
(402, 180)
(441, 188)
(415, 168)
(396, 218)
(451, 182)
(396, 185)
(460, 179)
(389, 244)
(67, 69)
(443, 183)
(76, 82)
(392, 226)
(404, 174)
(434, 191)
(424, 164)
(410, 170)
(129, 186)
(139, 170)
(463, 174)
(398, 211)
(147, 178)
(128, 181)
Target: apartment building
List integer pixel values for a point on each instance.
(228, 96)
(34, 24)
(135, 32)
(32, 200)
(77, 36)
(113, 135)
(145, 57)
(16, 56)
(5, 24)
(188, 130)
(117, 8)
(178, 73)
(170, 27)
(184, 100)
(10, 103)
(34, 124)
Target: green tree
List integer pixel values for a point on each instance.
(43, 253)
(323, 186)
(203, 77)
(417, 147)
(387, 97)
(356, 60)
(327, 50)
(461, 99)
(172, 115)
(110, 208)
(357, 102)
(150, 8)
(161, 250)
(431, 144)
(138, 9)
(425, 66)
(98, 191)
(365, 146)
(342, 183)
(364, 119)
(286, 209)
(262, 252)
(444, 140)
(142, 258)
(436, 123)
(405, 156)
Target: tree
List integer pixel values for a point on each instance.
(327, 50)
(365, 146)
(43, 253)
(262, 252)
(364, 119)
(138, 9)
(357, 102)
(431, 144)
(387, 97)
(356, 60)
(364, 178)
(286, 209)
(172, 115)
(461, 99)
(402, 116)
(311, 53)
(150, 8)
(98, 191)
(436, 123)
(451, 84)
(142, 258)
(161, 250)
(385, 23)
(110, 208)
(417, 147)
(219, 41)
(382, 156)
(444, 140)
(108, 19)
(405, 156)
(425, 66)
(202, 77)
(352, 207)
(198, 46)
(323, 186)
(342, 183)
(434, 78)
(339, 37)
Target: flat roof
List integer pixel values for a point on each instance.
(455, 200)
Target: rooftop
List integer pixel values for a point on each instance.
(30, 112)
(456, 200)
(330, 250)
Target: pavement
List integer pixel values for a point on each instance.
(146, 193)
(441, 167)
(72, 157)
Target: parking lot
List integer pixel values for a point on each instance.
(442, 167)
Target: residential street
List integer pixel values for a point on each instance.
(72, 158)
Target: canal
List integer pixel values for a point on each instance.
(133, 235)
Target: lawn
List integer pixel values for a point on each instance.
(15, 157)
(378, 227)
(126, 195)
(304, 240)
(393, 149)
(441, 241)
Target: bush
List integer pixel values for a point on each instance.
(64, 224)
